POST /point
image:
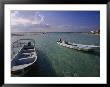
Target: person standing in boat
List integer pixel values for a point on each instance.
(60, 40)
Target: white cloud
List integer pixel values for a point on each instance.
(18, 17)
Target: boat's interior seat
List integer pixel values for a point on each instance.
(24, 55)
(25, 58)
(27, 51)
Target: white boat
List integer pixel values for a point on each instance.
(78, 46)
(24, 59)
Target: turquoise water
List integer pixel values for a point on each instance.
(55, 60)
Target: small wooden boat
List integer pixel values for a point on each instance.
(24, 59)
(78, 46)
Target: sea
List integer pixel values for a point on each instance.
(54, 60)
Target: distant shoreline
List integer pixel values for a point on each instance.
(48, 32)
(94, 34)
(17, 33)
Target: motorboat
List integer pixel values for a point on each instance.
(75, 46)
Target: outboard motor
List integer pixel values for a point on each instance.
(29, 43)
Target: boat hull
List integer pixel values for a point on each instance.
(21, 72)
(79, 47)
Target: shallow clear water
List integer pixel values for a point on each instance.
(55, 60)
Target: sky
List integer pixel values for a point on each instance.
(54, 21)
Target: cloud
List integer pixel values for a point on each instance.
(27, 21)
(26, 18)
(23, 20)
(30, 27)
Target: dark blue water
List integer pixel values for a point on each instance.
(55, 60)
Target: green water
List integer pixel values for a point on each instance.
(55, 60)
